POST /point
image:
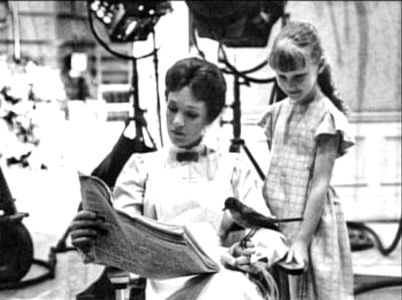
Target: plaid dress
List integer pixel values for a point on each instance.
(292, 129)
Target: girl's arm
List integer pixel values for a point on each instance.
(323, 166)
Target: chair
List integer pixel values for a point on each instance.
(127, 286)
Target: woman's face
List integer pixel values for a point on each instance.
(186, 118)
(300, 84)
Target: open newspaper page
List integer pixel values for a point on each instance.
(141, 245)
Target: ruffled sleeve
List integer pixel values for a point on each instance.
(130, 186)
(267, 122)
(335, 123)
(247, 186)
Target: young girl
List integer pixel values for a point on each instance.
(306, 132)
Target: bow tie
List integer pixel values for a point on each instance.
(187, 156)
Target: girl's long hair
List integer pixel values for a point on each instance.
(297, 42)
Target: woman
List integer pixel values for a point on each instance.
(189, 181)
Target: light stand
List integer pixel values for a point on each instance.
(238, 24)
(138, 118)
(109, 169)
(237, 143)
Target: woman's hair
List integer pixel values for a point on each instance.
(289, 52)
(205, 80)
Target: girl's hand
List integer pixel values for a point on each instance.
(84, 229)
(238, 257)
(298, 253)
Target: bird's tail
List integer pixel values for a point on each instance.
(265, 282)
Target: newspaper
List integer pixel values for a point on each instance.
(141, 245)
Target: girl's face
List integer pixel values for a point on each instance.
(186, 118)
(301, 84)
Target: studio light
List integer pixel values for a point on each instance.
(236, 23)
(127, 21)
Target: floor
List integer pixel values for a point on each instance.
(372, 268)
(51, 198)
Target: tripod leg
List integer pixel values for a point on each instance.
(61, 244)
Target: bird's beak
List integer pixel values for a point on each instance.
(224, 208)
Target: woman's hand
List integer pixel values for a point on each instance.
(84, 229)
(237, 257)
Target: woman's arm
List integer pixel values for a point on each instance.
(322, 173)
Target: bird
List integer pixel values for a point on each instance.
(247, 217)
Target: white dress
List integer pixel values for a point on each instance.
(183, 192)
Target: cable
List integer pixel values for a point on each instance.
(195, 42)
(133, 59)
(251, 70)
(378, 285)
(158, 99)
(392, 282)
(223, 58)
(383, 250)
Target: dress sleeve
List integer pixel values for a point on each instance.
(266, 122)
(246, 185)
(335, 123)
(130, 186)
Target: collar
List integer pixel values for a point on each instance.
(189, 154)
